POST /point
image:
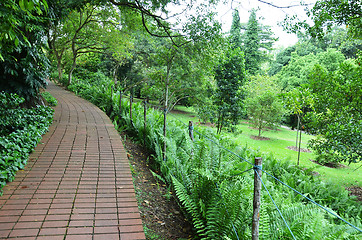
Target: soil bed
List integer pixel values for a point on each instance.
(356, 191)
(259, 138)
(293, 148)
(330, 165)
(160, 213)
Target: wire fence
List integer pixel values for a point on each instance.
(256, 168)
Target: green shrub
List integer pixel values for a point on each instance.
(20, 131)
(49, 99)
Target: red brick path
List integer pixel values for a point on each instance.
(77, 184)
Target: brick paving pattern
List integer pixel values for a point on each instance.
(77, 183)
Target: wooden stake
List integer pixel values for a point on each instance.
(144, 121)
(120, 102)
(130, 107)
(256, 200)
(191, 130)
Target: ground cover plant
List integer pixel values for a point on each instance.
(209, 183)
(20, 131)
(50, 100)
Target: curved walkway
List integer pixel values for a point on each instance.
(77, 184)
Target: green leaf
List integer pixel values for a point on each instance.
(22, 4)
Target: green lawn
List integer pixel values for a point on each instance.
(277, 145)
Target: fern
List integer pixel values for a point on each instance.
(190, 206)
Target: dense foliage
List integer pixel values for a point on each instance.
(297, 71)
(209, 184)
(230, 76)
(328, 13)
(49, 99)
(338, 112)
(20, 131)
(23, 63)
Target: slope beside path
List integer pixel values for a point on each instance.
(77, 183)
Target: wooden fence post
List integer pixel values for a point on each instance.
(191, 130)
(144, 120)
(120, 102)
(130, 107)
(256, 200)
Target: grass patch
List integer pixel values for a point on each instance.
(277, 145)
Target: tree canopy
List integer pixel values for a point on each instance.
(328, 13)
(297, 71)
(338, 112)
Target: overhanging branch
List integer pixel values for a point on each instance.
(145, 12)
(289, 6)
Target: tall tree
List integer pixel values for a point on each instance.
(90, 29)
(252, 45)
(177, 63)
(235, 31)
(230, 76)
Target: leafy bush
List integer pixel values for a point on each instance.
(211, 185)
(49, 99)
(20, 131)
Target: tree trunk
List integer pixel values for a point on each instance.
(298, 124)
(165, 117)
(300, 141)
(144, 121)
(120, 102)
(75, 53)
(130, 106)
(165, 107)
(220, 122)
(115, 74)
(60, 71)
(71, 72)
